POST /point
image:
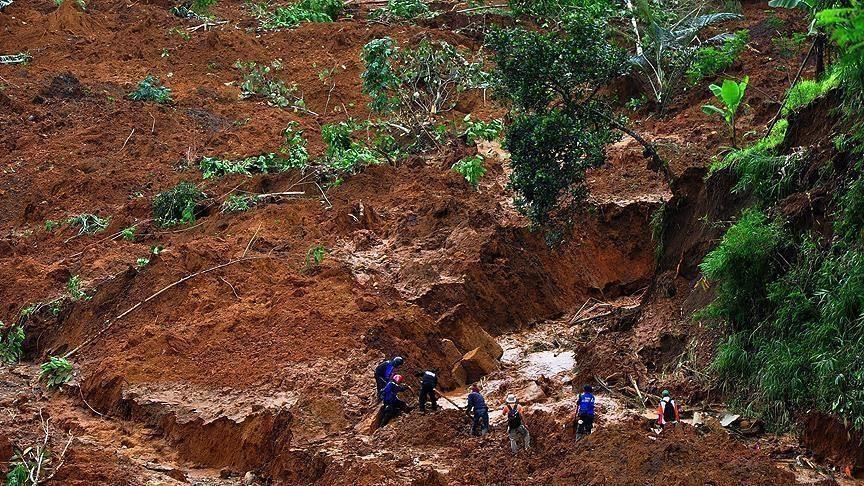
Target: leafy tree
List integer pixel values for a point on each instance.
(561, 123)
(731, 94)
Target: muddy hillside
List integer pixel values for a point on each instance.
(218, 217)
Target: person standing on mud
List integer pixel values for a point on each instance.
(476, 403)
(585, 412)
(428, 383)
(667, 411)
(516, 428)
(383, 373)
(393, 406)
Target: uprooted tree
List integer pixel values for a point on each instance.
(561, 123)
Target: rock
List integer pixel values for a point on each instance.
(366, 303)
(225, 473)
(451, 352)
(249, 478)
(474, 365)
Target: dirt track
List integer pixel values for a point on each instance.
(266, 367)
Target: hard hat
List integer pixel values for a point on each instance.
(665, 393)
(588, 388)
(475, 388)
(511, 398)
(397, 378)
(398, 360)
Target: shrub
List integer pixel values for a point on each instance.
(236, 203)
(397, 10)
(150, 89)
(88, 223)
(128, 234)
(415, 85)
(177, 205)
(11, 344)
(56, 372)
(471, 168)
(710, 61)
(480, 130)
(291, 16)
(51, 225)
(258, 82)
(348, 152)
(141, 262)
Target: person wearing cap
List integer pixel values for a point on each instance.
(393, 406)
(585, 412)
(477, 405)
(667, 411)
(384, 372)
(516, 428)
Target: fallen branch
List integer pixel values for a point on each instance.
(135, 307)
(797, 76)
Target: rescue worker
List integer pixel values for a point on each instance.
(428, 383)
(476, 403)
(393, 406)
(516, 428)
(585, 412)
(667, 411)
(383, 373)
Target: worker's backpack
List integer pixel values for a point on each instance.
(514, 418)
(669, 411)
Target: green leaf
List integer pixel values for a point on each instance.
(802, 4)
(713, 110)
(716, 90)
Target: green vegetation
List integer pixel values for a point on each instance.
(236, 203)
(55, 372)
(731, 94)
(51, 225)
(412, 86)
(710, 61)
(141, 262)
(73, 286)
(291, 16)
(476, 131)
(792, 297)
(315, 257)
(259, 82)
(177, 205)
(150, 89)
(11, 343)
(806, 91)
(128, 234)
(471, 168)
(401, 10)
(561, 126)
(88, 223)
(292, 155)
(348, 153)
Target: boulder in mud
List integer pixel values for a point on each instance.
(451, 352)
(476, 364)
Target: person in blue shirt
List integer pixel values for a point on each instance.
(383, 373)
(585, 413)
(393, 406)
(477, 405)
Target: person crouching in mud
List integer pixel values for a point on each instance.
(392, 406)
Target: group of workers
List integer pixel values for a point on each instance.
(389, 383)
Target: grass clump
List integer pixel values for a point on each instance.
(806, 91)
(177, 205)
(150, 89)
(710, 61)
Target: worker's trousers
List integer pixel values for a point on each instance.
(516, 434)
(480, 424)
(427, 393)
